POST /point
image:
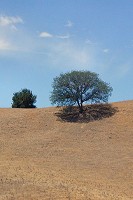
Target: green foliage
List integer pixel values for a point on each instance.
(24, 99)
(77, 87)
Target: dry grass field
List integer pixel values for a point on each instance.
(44, 158)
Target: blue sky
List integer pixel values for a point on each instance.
(39, 39)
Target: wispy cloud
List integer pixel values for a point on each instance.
(49, 35)
(105, 50)
(45, 35)
(70, 55)
(63, 36)
(69, 24)
(4, 45)
(8, 20)
(60, 51)
(9, 38)
(13, 28)
(89, 42)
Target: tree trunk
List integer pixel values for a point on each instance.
(81, 108)
(80, 105)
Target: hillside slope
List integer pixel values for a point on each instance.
(42, 157)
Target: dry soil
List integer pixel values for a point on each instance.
(43, 158)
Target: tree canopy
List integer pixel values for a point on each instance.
(77, 87)
(24, 99)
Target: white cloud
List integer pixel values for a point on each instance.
(49, 35)
(69, 24)
(4, 45)
(63, 36)
(7, 20)
(45, 35)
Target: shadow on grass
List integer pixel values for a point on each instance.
(91, 113)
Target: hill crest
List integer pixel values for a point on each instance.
(43, 157)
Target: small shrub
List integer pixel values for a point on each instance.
(24, 99)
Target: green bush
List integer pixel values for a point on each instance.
(24, 99)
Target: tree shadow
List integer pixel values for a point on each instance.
(90, 113)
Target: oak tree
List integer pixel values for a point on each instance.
(77, 87)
